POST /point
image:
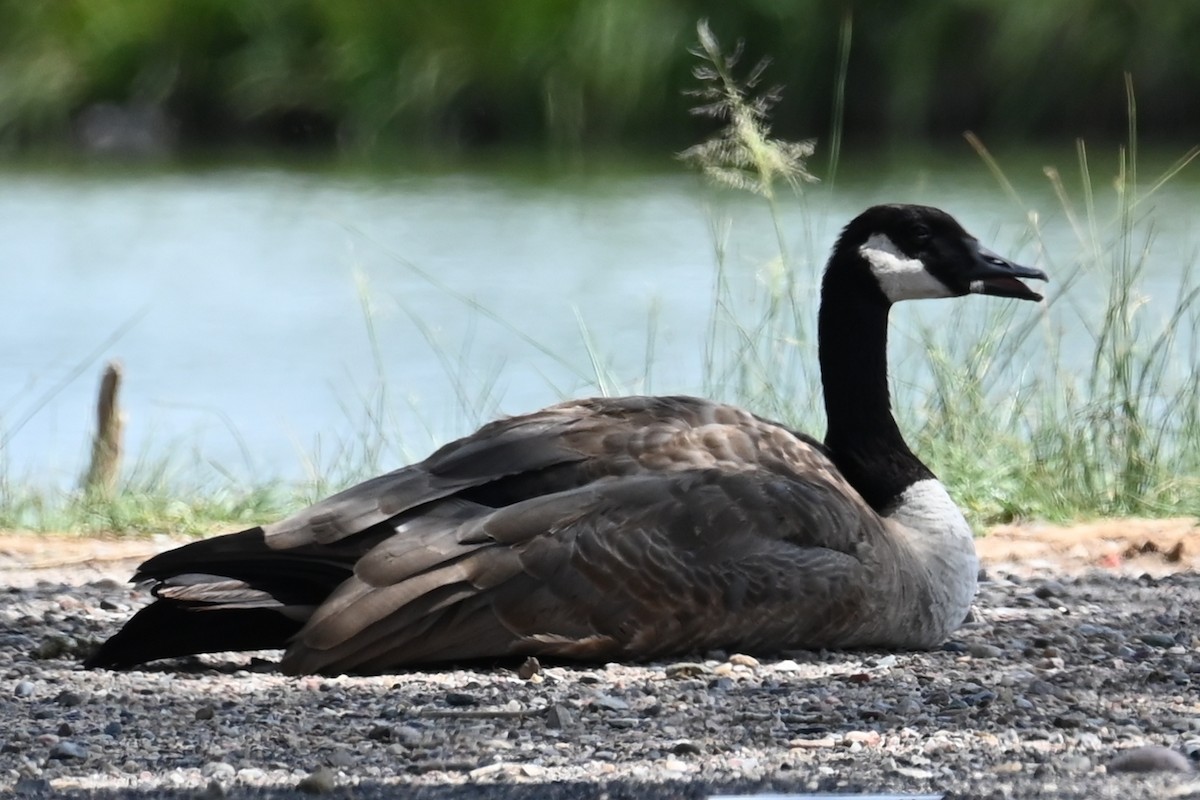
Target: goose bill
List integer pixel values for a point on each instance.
(1000, 277)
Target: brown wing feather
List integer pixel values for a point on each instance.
(633, 567)
(559, 447)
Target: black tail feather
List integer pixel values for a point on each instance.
(216, 616)
(166, 630)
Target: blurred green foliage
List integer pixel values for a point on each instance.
(364, 73)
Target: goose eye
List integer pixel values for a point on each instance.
(922, 233)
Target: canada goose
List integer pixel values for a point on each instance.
(621, 528)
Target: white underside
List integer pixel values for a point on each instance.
(900, 277)
(943, 542)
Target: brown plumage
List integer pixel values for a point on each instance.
(601, 529)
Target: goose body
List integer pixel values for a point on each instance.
(621, 528)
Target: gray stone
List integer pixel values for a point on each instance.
(1150, 759)
(66, 750)
(559, 716)
(319, 781)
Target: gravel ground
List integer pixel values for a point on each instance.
(1057, 675)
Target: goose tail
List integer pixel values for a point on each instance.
(228, 593)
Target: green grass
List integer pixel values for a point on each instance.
(565, 74)
(990, 408)
(988, 405)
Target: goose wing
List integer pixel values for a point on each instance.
(560, 447)
(633, 567)
(603, 528)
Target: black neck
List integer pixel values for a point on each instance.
(863, 439)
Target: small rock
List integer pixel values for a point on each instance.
(609, 702)
(32, 787)
(558, 716)
(53, 647)
(1069, 721)
(460, 699)
(319, 781)
(863, 737)
(407, 734)
(686, 669)
(1150, 759)
(341, 758)
(686, 748)
(68, 698)
(983, 650)
(742, 660)
(23, 689)
(66, 750)
(214, 791)
(1074, 764)
(1049, 589)
(218, 770)
(529, 667)
(1158, 639)
(205, 712)
(64, 729)
(112, 729)
(380, 733)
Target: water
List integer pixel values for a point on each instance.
(236, 297)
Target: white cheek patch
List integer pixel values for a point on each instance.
(900, 277)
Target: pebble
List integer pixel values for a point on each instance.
(1049, 589)
(67, 749)
(319, 781)
(1150, 759)
(341, 758)
(984, 650)
(529, 667)
(218, 770)
(32, 787)
(609, 702)
(559, 716)
(686, 669)
(1157, 639)
(742, 660)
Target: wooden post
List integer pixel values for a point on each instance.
(105, 469)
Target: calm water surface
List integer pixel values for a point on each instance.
(240, 294)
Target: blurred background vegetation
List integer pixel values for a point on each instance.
(364, 76)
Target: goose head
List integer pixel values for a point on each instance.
(914, 252)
